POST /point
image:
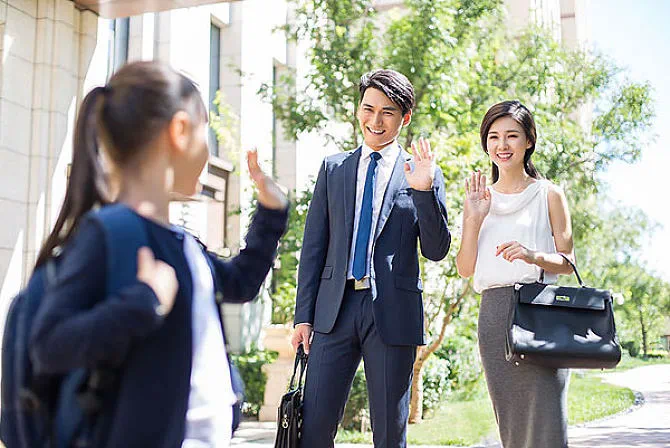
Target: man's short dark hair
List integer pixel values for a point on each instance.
(393, 84)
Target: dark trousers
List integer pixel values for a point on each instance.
(333, 360)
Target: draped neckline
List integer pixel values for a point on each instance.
(507, 203)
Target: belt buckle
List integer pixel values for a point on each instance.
(361, 284)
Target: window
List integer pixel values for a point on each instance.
(119, 33)
(214, 80)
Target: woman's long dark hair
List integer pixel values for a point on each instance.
(125, 115)
(519, 113)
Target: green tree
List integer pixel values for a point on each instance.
(343, 33)
(284, 276)
(645, 300)
(461, 61)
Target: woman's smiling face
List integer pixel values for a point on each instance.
(507, 143)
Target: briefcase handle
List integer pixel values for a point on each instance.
(574, 269)
(300, 360)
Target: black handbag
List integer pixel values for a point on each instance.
(562, 326)
(289, 415)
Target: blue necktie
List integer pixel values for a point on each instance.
(365, 220)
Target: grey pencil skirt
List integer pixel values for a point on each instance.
(529, 402)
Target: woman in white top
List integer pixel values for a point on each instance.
(514, 230)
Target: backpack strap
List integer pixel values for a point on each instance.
(124, 233)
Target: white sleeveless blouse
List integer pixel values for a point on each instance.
(522, 217)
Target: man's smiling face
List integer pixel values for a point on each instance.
(380, 119)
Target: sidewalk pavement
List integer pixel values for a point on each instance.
(644, 426)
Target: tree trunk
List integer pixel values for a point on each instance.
(643, 329)
(422, 354)
(416, 402)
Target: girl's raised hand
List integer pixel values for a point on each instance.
(270, 194)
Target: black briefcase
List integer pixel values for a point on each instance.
(562, 326)
(289, 416)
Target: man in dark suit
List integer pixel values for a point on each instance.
(359, 285)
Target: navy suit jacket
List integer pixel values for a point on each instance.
(407, 217)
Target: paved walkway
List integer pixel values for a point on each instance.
(645, 426)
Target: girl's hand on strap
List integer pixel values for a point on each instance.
(160, 277)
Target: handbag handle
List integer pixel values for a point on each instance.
(574, 269)
(300, 360)
(303, 368)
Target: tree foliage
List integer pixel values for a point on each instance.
(462, 59)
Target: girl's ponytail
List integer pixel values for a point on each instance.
(129, 112)
(87, 184)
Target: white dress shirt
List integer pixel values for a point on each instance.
(210, 415)
(383, 175)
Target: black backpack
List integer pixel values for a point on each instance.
(60, 411)
(33, 405)
(25, 414)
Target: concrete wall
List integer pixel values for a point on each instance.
(47, 48)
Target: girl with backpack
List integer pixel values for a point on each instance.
(161, 334)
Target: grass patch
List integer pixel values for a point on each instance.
(590, 398)
(628, 362)
(457, 423)
(468, 422)
(345, 436)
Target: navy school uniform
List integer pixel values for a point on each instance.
(77, 326)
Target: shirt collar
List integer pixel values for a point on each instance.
(389, 153)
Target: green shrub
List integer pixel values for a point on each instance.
(657, 354)
(249, 364)
(436, 387)
(283, 303)
(465, 369)
(632, 347)
(357, 404)
(436, 384)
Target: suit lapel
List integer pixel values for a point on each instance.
(396, 182)
(350, 167)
